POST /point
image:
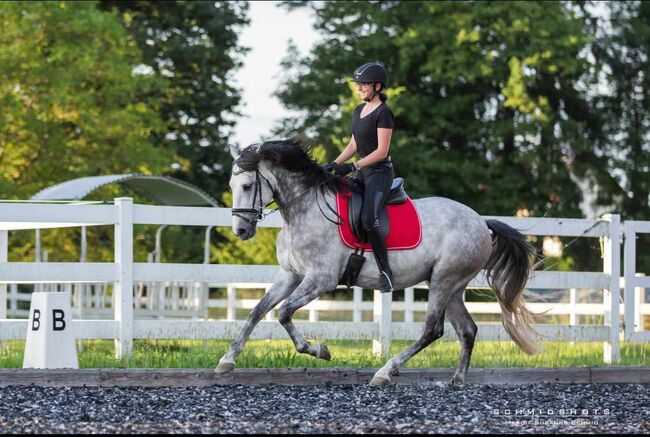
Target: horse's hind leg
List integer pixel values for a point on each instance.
(433, 330)
(465, 330)
(284, 284)
(308, 290)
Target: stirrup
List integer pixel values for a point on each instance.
(390, 283)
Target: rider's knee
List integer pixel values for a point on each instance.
(369, 221)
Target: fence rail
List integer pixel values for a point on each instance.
(127, 305)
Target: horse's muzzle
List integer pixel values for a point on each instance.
(245, 232)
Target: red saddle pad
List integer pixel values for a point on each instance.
(405, 227)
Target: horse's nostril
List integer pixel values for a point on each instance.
(241, 232)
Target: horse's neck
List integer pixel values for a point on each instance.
(300, 204)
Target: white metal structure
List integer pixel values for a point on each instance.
(124, 273)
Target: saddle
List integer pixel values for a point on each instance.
(399, 209)
(406, 231)
(397, 196)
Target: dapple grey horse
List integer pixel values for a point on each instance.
(456, 244)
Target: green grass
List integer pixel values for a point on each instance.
(281, 354)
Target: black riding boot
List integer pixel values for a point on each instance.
(381, 256)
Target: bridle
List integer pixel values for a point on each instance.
(258, 211)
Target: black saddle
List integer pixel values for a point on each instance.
(397, 195)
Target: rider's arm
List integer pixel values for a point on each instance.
(348, 152)
(383, 146)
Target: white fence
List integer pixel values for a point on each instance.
(124, 274)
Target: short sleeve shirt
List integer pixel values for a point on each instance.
(365, 129)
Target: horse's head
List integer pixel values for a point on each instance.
(252, 189)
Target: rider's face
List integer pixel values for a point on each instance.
(364, 90)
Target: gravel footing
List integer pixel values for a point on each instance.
(425, 408)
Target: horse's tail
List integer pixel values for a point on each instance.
(507, 271)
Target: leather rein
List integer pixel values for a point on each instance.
(258, 211)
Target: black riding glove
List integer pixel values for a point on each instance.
(343, 169)
(329, 167)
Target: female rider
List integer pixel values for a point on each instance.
(372, 127)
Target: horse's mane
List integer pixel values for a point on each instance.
(294, 156)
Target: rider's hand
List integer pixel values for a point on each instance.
(343, 169)
(329, 167)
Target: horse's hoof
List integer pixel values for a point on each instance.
(225, 367)
(377, 381)
(323, 352)
(456, 382)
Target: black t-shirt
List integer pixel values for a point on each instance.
(365, 129)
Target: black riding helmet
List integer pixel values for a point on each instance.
(371, 72)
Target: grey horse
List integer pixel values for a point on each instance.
(456, 244)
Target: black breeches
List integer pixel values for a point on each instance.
(377, 183)
(377, 180)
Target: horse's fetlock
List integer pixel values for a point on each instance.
(303, 348)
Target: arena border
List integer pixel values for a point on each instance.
(314, 376)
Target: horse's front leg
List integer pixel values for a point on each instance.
(309, 289)
(284, 284)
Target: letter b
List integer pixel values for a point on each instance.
(58, 324)
(36, 320)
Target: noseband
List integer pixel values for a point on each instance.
(258, 211)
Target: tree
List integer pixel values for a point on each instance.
(486, 100)
(72, 106)
(70, 103)
(194, 47)
(622, 49)
(625, 52)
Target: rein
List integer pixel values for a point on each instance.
(259, 212)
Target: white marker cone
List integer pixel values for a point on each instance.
(50, 342)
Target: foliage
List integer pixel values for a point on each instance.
(194, 47)
(71, 107)
(484, 114)
(69, 103)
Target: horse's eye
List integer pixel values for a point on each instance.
(247, 187)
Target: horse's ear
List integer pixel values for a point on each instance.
(234, 151)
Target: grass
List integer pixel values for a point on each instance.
(200, 354)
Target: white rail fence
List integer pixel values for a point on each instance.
(129, 308)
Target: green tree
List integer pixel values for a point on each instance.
(625, 51)
(70, 104)
(194, 47)
(622, 49)
(485, 97)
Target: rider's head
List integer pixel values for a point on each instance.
(371, 79)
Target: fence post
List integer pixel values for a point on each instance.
(408, 304)
(382, 315)
(357, 296)
(231, 298)
(573, 317)
(611, 298)
(629, 270)
(4, 257)
(271, 314)
(123, 288)
(313, 312)
(638, 301)
(13, 292)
